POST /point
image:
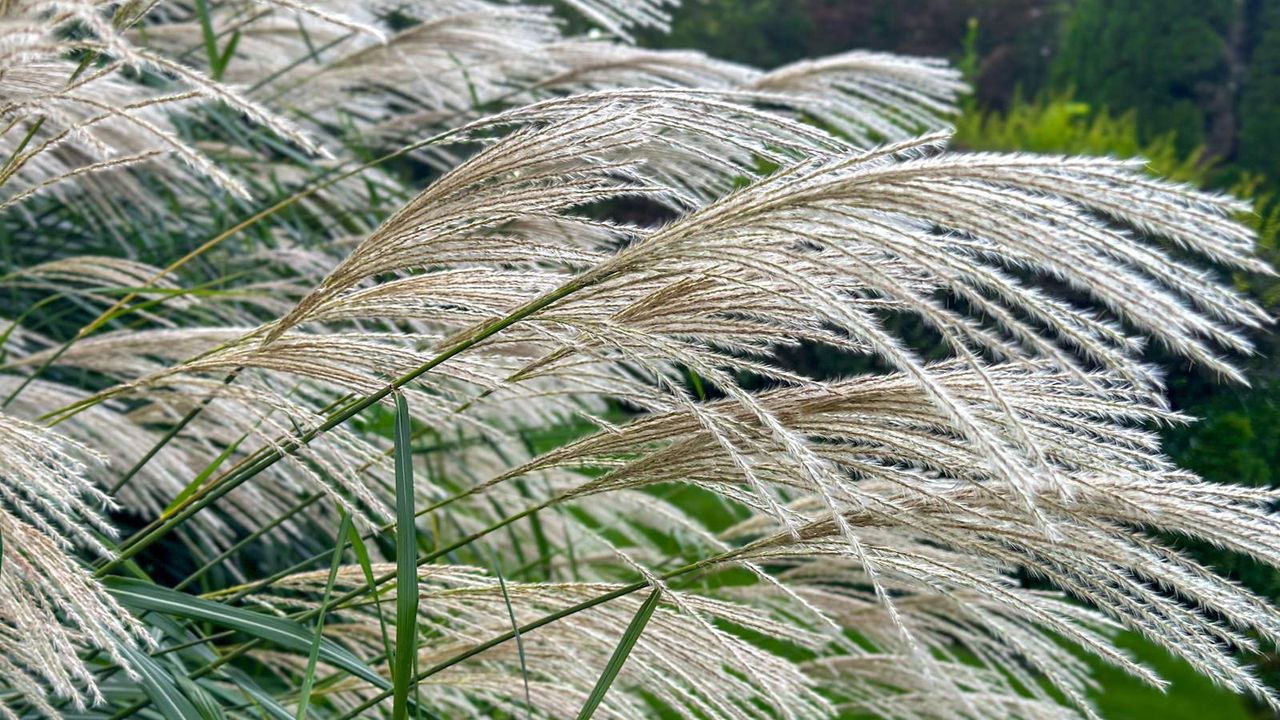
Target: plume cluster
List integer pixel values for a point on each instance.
(582, 266)
(51, 608)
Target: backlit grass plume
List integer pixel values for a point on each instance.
(360, 360)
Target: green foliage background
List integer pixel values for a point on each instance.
(1259, 145)
(1157, 57)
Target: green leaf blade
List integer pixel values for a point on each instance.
(620, 654)
(309, 678)
(140, 596)
(160, 687)
(406, 649)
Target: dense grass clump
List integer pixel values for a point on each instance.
(427, 360)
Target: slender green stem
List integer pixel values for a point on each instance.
(213, 492)
(129, 711)
(159, 521)
(171, 434)
(298, 507)
(347, 597)
(259, 532)
(49, 361)
(168, 649)
(26, 139)
(243, 462)
(524, 630)
(240, 592)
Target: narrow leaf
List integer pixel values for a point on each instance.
(309, 679)
(366, 566)
(281, 631)
(620, 654)
(406, 566)
(160, 687)
(515, 629)
(195, 484)
(243, 685)
(227, 53)
(209, 36)
(201, 700)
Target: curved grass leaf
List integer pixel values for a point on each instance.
(160, 687)
(285, 633)
(199, 480)
(245, 688)
(205, 705)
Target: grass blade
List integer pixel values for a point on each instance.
(291, 444)
(209, 37)
(366, 566)
(228, 52)
(160, 687)
(199, 480)
(406, 566)
(285, 633)
(201, 700)
(620, 654)
(515, 628)
(242, 683)
(309, 679)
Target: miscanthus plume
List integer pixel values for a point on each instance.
(364, 359)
